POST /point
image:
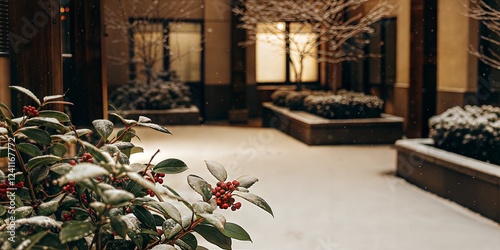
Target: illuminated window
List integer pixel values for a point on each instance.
(271, 56)
(162, 46)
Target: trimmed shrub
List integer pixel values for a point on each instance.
(279, 97)
(158, 95)
(472, 131)
(344, 106)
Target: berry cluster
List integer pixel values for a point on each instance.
(70, 188)
(223, 195)
(150, 192)
(68, 216)
(5, 185)
(83, 198)
(158, 177)
(30, 111)
(87, 158)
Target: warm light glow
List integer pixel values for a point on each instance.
(280, 26)
(185, 50)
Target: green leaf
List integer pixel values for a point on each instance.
(234, 231)
(80, 132)
(60, 116)
(82, 172)
(123, 145)
(216, 220)
(52, 98)
(213, 235)
(126, 122)
(199, 185)
(134, 229)
(75, 231)
(29, 149)
(145, 183)
(136, 150)
(39, 174)
(61, 168)
(144, 119)
(119, 226)
(59, 102)
(38, 135)
(29, 243)
(116, 197)
(171, 228)
(47, 122)
(170, 166)
(48, 208)
(38, 221)
(50, 242)
(27, 92)
(42, 160)
(2, 210)
(2, 105)
(103, 127)
(144, 216)
(58, 149)
(217, 170)
(258, 201)
(167, 209)
(155, 127)
(247, 181)
(4, 152)
(24, 211)
(187, 242)
(96, 153)
(134, 188)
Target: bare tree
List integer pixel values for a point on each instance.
(330, 31)
(490, 17)
(145, 31)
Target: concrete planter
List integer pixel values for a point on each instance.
(179, 116)
(315, 130)
(471, 183)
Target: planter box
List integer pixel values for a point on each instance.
(315, 130)
(179, 116)
(471, 183)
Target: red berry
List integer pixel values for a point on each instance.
(236, 183)
(160, 181)
(219, 202)
(219, 184)
(237, 205)
(72, 162)
(65, 188)
(128, 211)
(217, 195)
(73, 211)
(71, 183)
(233, 208)
(21, 184)
(159, 231)
(225, 206)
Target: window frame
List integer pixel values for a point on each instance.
(288, 62)
(166, 59)
(4, 31)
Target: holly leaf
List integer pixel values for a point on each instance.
(60, 116)
(258, 201)
(42, 160)
(235, 231)
(155, 127)
(187, 242)
(29, 149)
(28, 93)
(247, 181)
(119, 226)
(199, 185)
(213, 235)
(38, 135)
(75, 230)
(116, 197)
(216, 220)
(103, 127)
(82, 172)
(144, 216)
(217, 170)
(170, 166)
(58, 149)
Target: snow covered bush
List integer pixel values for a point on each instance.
(472, 131)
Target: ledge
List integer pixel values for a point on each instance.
(178, 116)
(471, 183)
(315, 130)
